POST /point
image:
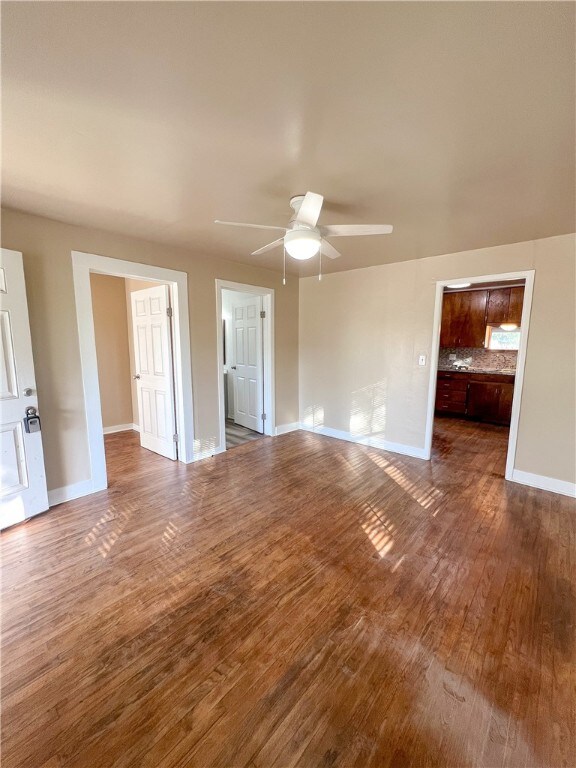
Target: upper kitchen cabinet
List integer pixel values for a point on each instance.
(505, 306)
(464, 319)
(516, 304)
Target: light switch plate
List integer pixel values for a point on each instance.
(422, 360)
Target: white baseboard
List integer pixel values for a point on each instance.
(372, 441)
(136, 427)
(205, 453)
(70, 492)
(120, 428)
(283, 429)
(544, 483)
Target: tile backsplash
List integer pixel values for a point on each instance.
(478, 358)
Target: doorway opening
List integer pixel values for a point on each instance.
(134, 350)
(166, 293)
(477, 367)
(245, 362)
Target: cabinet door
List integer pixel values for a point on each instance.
(450, 328)
(473, 327)
(463, 319)
(498, 306)
(484, 401)
(490, 401)
(515, 307)
(505, 404)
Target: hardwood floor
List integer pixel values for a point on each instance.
(327, 604)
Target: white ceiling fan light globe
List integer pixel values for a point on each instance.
(302, 244)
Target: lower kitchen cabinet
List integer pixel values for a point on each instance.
(477, 396)
(490, 401)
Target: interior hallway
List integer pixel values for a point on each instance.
(301, 600)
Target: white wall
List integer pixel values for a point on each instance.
(361, 333)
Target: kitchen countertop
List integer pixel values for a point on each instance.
(498, 371)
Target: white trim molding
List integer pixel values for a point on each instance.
(119, 428)
(70, 492)
(371, 441)
(82, 265)
(544, 483)
(268, 356)
(283, 429)
(528, 277)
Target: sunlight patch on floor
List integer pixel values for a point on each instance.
(379, 530)
(423, 493)
(104, 538)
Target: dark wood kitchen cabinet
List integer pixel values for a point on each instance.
(464, 319)
(478, 396)
(505, 305)
(490, 401)
(451, 392)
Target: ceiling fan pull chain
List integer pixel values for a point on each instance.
(320, 270)
(284, 275)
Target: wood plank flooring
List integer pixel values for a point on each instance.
(237, 435)
(298, 601)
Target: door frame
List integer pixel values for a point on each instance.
(83, 264)
(528, 277)
(267, 357)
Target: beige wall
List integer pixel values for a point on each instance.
(46, 246)
(361, 333)
(111, 332)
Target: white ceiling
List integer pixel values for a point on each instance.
(452, 121)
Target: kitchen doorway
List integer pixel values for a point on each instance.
(476, 375)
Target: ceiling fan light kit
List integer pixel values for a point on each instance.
(302, 244)
(302, 239)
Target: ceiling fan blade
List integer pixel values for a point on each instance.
(329, 250)
(349, 230)
(254, 226)
(268, 247)
(309, 210)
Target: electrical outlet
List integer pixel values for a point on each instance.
(422, 360)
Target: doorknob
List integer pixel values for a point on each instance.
(137, 376)
(233, 367)
(28, 392)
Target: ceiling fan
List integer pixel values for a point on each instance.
(303, 239)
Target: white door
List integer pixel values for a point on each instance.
(152, 332)
(247, 335)
(22, 478)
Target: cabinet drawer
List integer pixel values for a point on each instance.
(450, 407)
(457, 396)
(452, 385)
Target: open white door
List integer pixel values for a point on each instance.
(247, 368)
(154, 374)
(23, 478)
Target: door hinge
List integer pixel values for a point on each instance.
(169, 311)
(263, 417)
(175, 437)
(262, 314)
